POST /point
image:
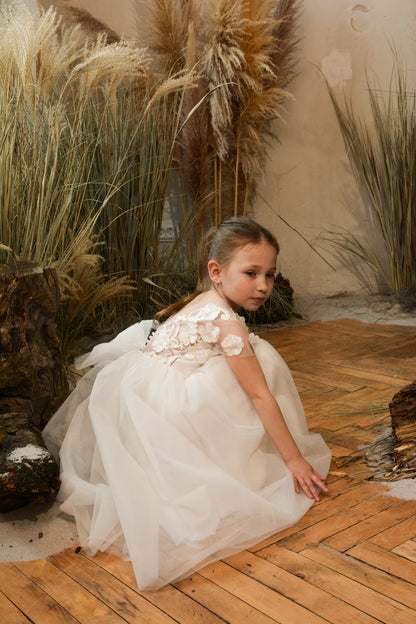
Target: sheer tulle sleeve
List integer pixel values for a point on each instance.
(234, 338)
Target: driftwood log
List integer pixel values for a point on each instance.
(29, 473)
(33, 382)
(403, 421)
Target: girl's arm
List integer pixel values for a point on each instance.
(250, 375)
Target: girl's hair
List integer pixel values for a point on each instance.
(220, 243)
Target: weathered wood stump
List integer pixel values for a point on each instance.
(29, 473)
(403, 420)
(33, 381)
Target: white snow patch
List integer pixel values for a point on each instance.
(404, 488)
(28, 452)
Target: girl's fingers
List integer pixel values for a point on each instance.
(320, 482)
(296, 484)
(306, 482)
(308, 486)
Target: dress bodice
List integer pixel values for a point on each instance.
(200, 332)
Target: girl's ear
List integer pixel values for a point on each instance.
(214, 271)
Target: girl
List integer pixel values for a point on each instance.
(190, 445)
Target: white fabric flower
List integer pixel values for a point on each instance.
(187, 333)
(253, 338)
(160, 342)
(209, 333)
(210, 312)
(232, 345)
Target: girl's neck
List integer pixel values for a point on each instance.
(218, 292)
(220, 296)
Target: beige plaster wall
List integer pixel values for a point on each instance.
(308, 180)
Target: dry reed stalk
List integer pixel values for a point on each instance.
(223, 65)
(242, 52)
(268, 41)
(169, 23)
(194, 150)
(89, 24)
(286, 16)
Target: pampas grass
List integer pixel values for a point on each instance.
(170, 23)
(243, 54)
(91, 26)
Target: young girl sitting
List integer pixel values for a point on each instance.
(188, 446)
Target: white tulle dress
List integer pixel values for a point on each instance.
(164, 459)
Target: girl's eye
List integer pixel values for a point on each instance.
(270, 276)
(251, 273)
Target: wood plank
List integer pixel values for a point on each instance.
(339, 451)
(393, 367)
(330, 505)
(363, 598)
(68, 593)
(405, 349)
(262, 598)
(230, 608)
(125, 601)
(297, 589)
(319, 385)
(9, 613)
(373, 525)
(352, 436)
(168, 599)
(366, 574)
(321, 370)
(362, 420)
(352, 412)
(407, 549)
(397, 534)
(389, 561)
(316, 372)
(324, 529)
(370, 377)
(321, 400)
(32, 601)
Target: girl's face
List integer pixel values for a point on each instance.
(246, 281)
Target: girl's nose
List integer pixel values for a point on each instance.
(262, 284)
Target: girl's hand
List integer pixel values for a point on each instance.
(305, 478)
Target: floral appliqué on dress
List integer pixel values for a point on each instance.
(194, 335)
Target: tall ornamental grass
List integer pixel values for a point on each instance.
(383, 154)
(86, 145)
(242, 52)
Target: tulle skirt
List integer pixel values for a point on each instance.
(168, 465)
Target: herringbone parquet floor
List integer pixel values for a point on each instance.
(352, 558)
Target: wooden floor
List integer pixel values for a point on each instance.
(351, 559)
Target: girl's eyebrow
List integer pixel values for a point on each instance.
(257, 266)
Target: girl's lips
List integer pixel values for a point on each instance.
(258, 299)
